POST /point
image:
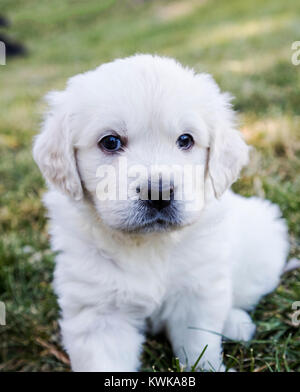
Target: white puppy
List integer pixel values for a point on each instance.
(129, 265)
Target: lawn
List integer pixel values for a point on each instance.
(246, 46)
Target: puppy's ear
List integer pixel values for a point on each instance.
(53, 149)
(228, 154)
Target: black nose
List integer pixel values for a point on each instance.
(160, 197)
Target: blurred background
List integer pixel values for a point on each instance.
(245, 45)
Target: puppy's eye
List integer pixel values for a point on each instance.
(185, 141)
(110, 143)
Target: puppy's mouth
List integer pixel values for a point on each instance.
(147, 220)
(157, 225)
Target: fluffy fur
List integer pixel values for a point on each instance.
(114, 280)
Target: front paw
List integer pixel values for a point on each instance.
(239, 326)
(205, 361)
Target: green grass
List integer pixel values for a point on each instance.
(246, 45)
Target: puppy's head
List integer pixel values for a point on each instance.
(148, 141)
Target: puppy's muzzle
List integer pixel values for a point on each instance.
(156, 195)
